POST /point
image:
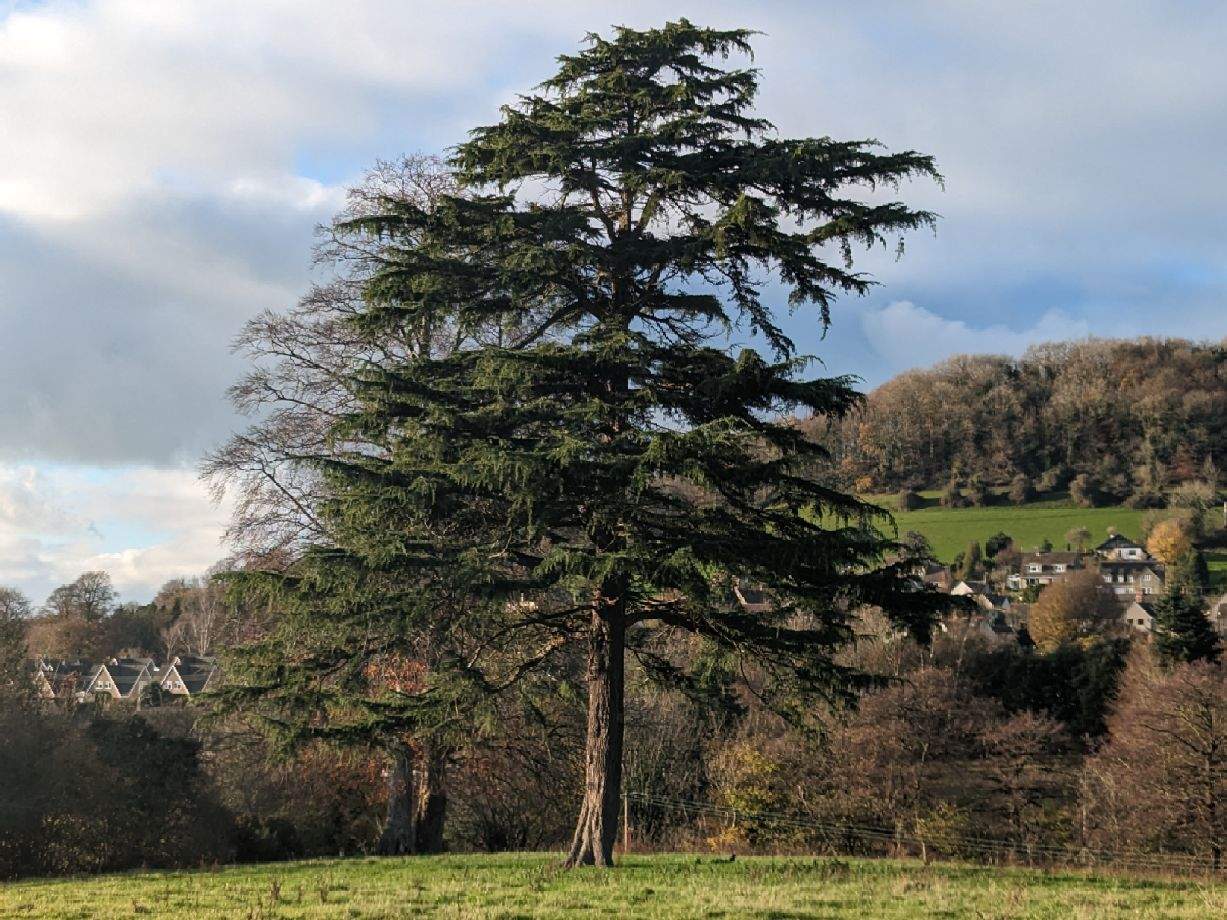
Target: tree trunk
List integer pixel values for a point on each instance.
(399, 837)
(432, 800)
(597, 826)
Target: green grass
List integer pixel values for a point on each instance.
(1216, 562)
(532, 885)
(949, 530)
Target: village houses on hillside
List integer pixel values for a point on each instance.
(1127, 570)
(123, 679)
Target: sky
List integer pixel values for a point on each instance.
(163, 164)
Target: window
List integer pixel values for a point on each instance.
(1034, 567)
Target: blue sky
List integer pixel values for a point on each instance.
(163, 164)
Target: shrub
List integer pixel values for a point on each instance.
(1084, 491)
(1021, 490)
(1196, 495)
(1142, 498)
(977, 492)
(909, 500)
(1053, 479)
(952, 497)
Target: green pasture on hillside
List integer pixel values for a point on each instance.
(533, 885)
(949, 530)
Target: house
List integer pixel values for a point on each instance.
(55, 679)
(935, 575)
(120, 678)
(981, 594)
(1043, 569)
(1121, 548)
(1140, 615)
(995, 627)
(1136, 578)
(188, 676)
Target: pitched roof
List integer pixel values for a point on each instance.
(1117, 541)
(1054, 557)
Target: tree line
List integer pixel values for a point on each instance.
(1127, 419)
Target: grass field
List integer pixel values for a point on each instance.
(949, 530)
(531, 885)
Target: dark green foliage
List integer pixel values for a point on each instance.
(1074, 685)
(1025, 642)
(107, 795)
(971, 559)
(996, 543)
(1182, 631)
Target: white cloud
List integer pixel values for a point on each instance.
(910, 336)
(140, 524)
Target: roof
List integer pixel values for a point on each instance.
(1117, 541)
(194, 676)
(1054, 557)
(1134, 564)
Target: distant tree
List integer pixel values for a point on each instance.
(1019, 752)
(1145, 497)
(1160, 782)
(917, 545)
(1078, 538)
(1197, 495)
(909, 500)
(1067, 609)
(1025, 642)
(1210, 471)
(1182, 631)
(91, 597)
(1052, 479)
(1045, 545)
(977, 492)
(1084, 491)
(15, 683)
(1169, 541)
(1021, 490)
(14, 605)
(972, 559)
(952, 496)
(997, 543)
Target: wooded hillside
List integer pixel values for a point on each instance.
(1135, 416)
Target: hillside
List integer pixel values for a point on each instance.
(1134, 416)
(949, 530)
(531, 885)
